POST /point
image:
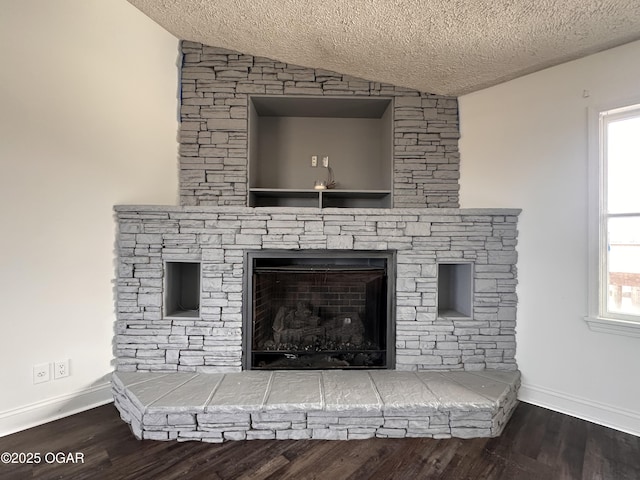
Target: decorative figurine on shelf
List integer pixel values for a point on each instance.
(329, 183)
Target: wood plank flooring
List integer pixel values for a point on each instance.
(537, 444)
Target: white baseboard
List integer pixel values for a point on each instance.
(18, 419)
(613, 417)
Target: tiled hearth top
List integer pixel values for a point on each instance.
(329, 390)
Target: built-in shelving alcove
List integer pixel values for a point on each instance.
(455, 290)
(182, 289)
(354, 133)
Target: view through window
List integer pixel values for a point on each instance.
(620, 213)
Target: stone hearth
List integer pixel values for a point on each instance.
(327, 405)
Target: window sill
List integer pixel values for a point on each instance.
(613, 326)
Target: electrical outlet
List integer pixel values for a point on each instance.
(314, 160)
(41, 373)
(61, 369)
(325, 161)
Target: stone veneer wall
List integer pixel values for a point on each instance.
(216, 83)
(219, 236)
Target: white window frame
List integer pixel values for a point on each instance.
(598, 318)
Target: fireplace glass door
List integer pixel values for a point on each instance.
(318, 311)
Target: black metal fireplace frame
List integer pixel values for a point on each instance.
(247, 314)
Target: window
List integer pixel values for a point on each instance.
(615, 222)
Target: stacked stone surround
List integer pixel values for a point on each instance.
(328, 405)
(171, 370)
(218, 237)
(215, 89)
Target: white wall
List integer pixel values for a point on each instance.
(524, 144)
(87, 120)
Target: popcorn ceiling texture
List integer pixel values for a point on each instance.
(440, 46)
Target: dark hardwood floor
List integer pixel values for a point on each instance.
(537, 444)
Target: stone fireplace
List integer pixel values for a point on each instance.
(398, 306)
(185, 375)
(442, 321)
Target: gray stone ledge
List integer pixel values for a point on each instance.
(240, 210)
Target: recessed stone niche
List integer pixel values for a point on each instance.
(455, 290)
(182, 289)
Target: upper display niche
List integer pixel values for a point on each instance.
(289, 135)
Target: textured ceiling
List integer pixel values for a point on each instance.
(447, 47)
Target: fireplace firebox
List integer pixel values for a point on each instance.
(318, 310)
